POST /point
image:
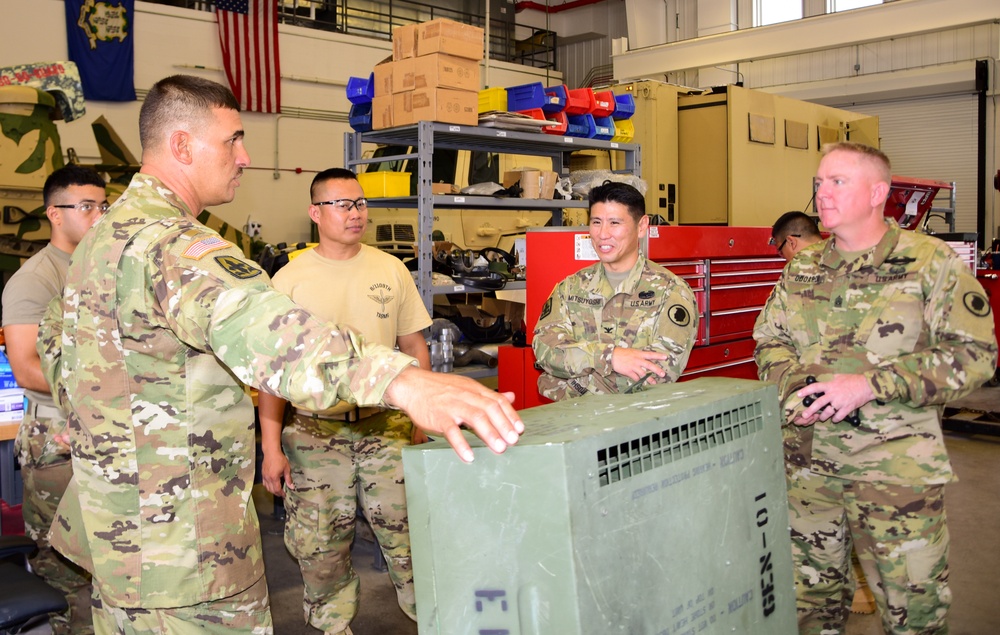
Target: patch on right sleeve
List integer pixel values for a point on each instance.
(546, 309)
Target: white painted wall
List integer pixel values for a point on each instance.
(315, 67)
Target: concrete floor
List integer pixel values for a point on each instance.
(973, 511)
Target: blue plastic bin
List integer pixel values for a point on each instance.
(360, 117)
(361, 90)
(581, 126)
(604, 128)
(624, 106)
(555, 99)
(525, 97)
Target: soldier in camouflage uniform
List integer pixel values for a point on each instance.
(620, 320)
(160, 322)
(74, 198)
(892, 325)
(345, 458)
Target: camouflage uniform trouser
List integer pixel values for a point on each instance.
(46, 470)
(336, 465)
(248, 612)
(901, 537)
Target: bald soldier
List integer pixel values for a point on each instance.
(160, 323)
(620, 323)
(891, 325)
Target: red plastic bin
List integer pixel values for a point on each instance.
(604, 103)
(561, 119)
(580, 101)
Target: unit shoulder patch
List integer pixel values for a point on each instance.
(239, 269)
(679, 315)
(976, 303)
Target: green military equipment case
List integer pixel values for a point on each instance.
(662, 512)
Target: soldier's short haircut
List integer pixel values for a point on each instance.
(330, 174)
(180, 98)
(68, 176)
(874, 156)
(621, 193)
(796, 223)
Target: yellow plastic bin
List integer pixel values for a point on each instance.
(624, 131)
(491, 99)
(385, 184)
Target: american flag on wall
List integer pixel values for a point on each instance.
(248, 33)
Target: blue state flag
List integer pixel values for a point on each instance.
(99, 35)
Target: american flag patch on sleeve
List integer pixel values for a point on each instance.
(204, 246)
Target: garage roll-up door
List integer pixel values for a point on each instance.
(933, 138)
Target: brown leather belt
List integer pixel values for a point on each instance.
(356, 414)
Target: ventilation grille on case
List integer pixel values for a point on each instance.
(631, 458)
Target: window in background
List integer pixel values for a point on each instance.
(773, 11)
(832, 6)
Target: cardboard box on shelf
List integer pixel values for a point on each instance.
(540, 184)
(513, 312)
(436, 70)
(443, 188)
(383, 78)
(382, 112)
(404, 42)
(446, 105)
(447, 36)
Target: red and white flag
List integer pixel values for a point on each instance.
(248, 33)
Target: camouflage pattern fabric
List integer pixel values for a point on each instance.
(46, 471)
(910, 316)
(159, 323)
(584, 320)
(246, 612)
(901, 536)
(335, 466)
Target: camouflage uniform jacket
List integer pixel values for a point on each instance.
(584, 320)
(159, 323)
(909, 316)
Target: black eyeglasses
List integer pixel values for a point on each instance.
(782, 245)
(347, 204)
(85, 207)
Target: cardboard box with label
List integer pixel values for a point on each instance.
(436, 70)
(446, 105)
(447, 36)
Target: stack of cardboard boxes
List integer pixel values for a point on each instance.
(433, 75)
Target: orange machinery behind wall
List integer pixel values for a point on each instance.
(730, 269)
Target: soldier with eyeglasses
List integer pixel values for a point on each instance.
(345, 460)
(74, 198)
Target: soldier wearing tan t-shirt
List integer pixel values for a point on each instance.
(333, 460)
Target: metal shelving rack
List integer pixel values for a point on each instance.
(427, 135)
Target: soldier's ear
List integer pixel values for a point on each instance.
(54, 215)
(181, 146)
(880, 192)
